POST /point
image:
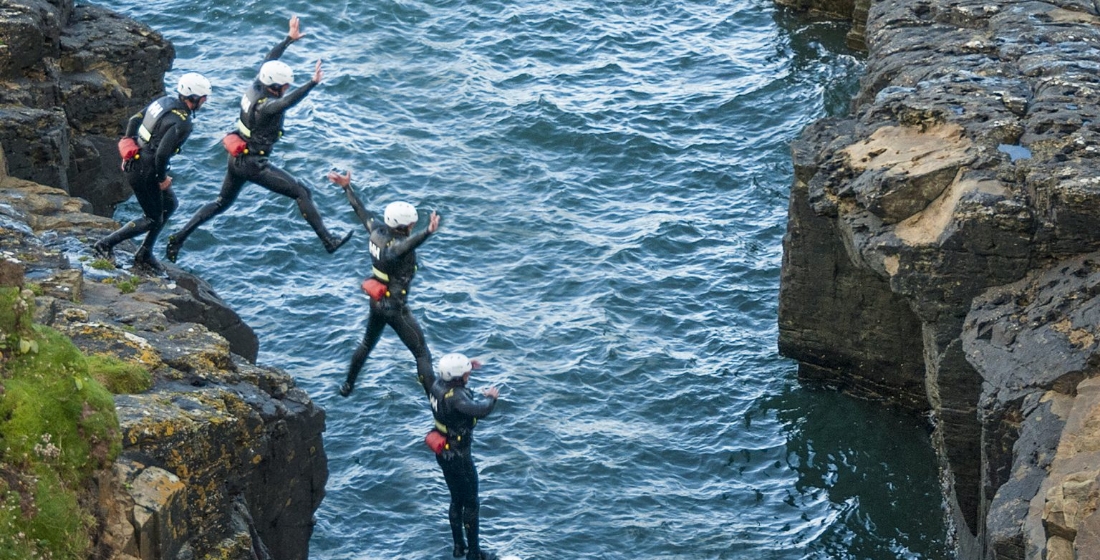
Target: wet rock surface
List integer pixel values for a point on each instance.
(955, 210)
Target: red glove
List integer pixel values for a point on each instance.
(128, 148)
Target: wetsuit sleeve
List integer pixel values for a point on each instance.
(365, 216)
(397, 249)
(170, 144)
(428, 381)
(133, 124)
(475, 407)
(274, 106)
(279, 49)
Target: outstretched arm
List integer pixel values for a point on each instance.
(293, 34)
(478, 408)
(275, 106)
(344, 181)
(399, 248)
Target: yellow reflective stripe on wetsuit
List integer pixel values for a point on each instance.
(443, 429)
(379, 274)
(440, 425)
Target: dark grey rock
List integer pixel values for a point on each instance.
(36, 144)
(204, 306)
(30, 31)
(985, 253)
(86, 67)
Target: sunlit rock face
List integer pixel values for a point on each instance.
(953, 212)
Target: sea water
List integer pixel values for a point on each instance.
(613, 178)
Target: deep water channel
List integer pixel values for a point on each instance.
(613, 178)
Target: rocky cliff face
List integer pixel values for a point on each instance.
(954, 211)
(70, 76)
(222, 458)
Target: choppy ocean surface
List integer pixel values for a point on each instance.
(613, 179)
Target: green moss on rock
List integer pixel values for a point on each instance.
(57, 426)
(16, 313)
(118, 376)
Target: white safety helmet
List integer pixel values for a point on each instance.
(193, 84)
(276, 73)
(453, 366)
(400, 214)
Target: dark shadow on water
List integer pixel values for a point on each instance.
(877, 469)
(873, 469)
(819, 53)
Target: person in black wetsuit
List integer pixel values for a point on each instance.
(260, 126)
(456, 411)
(393, 265)
(152, 137)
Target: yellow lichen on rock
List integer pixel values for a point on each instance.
(109, 339)
(1079, 337)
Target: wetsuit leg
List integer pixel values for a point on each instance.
(376, 322)
(407, 328)
(235, 177)
(454, 512)
(466, 482)
(278, 181)
(144, 188)
(104, 248)
(157, 206)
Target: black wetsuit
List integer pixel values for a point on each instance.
(160, 130)
(393, 260)
(456, 411)
(261, 126)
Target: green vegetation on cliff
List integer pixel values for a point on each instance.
(57, 427)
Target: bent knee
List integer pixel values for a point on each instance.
(301, 191)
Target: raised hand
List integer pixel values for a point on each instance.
(342, 180)
(294, 33)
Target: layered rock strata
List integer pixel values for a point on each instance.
(70, 76)
(954, 212)
(222, 458)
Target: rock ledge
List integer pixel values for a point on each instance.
(954, 210)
